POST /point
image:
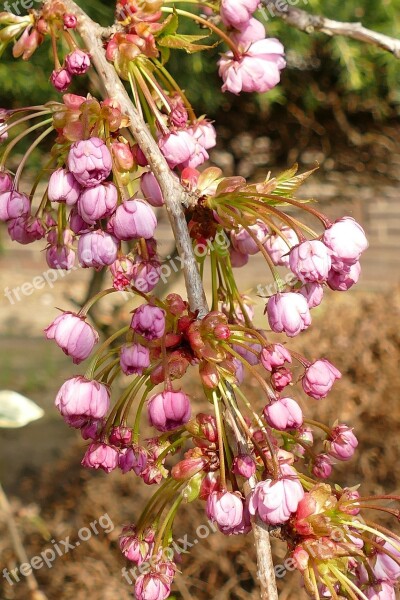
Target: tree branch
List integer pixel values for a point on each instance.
(304, 21)
(175, 198)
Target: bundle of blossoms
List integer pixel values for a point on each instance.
(113, 161)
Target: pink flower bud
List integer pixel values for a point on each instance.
(237, 13)
(252, 32)
(145, 275)
(258, 70)
(76, 223)
(237, 258)
(26, 231)
(63, 187)
(134, 359)
(121, 436)
(60, 256)
(91, 429)
(310, 261)
(188, 467)
(275, 356)
(279, 247)
(204, 133)
(281, 378)
(169, 410)
(70, 21)
(133, 219)
(283, 414)
(178, 115)
(319, 378)
(101, 456)
(152, 586)
(97, 249)
(123, 156)
(77, 62)
(135, 549)
(245, 243)
(346, 240)
(276, 501)
(6, 182)
(341, 281)
(289, 313)
(178, 148)
(98, 202)
(74, 336)
(343, 443)
(90, 161)
(322, 467)
(14, 205)
(244, 465)
(61, 79)
(81, 397)
(73, 101)
(313, 293)
(151, 189)
(225, 509)
(149, 321)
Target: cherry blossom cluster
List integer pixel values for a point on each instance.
(97, 207)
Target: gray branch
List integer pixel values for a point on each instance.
(309, 23)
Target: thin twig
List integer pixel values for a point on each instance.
(309, 23)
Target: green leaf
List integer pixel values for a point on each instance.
(288, 182)
(180, 41)
(169, 26)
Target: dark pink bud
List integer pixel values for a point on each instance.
(135, 549)
(133, 219)
(60, 256)
(178, 115)
(70, 21)
(322, 467)
(289, 313)
(73, 101)
(98, 202)
(149, 321)
(97, 249)
(134, 359)
(81, 397)
(14, 205)
(151, 189)
(122, 272)
(63, 187)
(74, 336)
(101, 456)
(61, 79)
(92, 429)
(188, 467)
(244, 465)
(77, 62)
(281, 378)
(319, 378)
(90, 161)
(26, 231)
(343, 443)
(76, 223)
(210, 484)
(169, 410)
(275, 356)
(121, 436)
(283, 414)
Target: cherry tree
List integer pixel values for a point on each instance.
(114, 158)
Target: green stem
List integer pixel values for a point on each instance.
(220, 440)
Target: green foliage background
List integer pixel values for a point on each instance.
(321, 71)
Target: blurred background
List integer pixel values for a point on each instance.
(338, 106)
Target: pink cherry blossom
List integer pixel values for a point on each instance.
(283, 414)
(289, 313)
(319, 378)
(74, 335)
